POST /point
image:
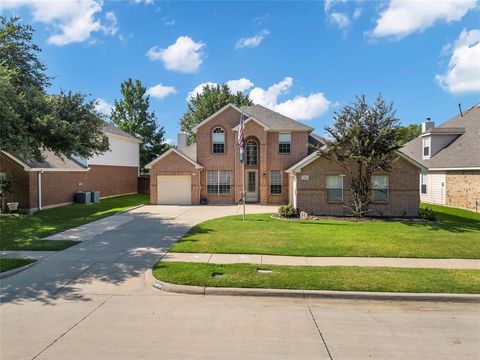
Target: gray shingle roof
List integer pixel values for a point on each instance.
(190, 151)
(464, 151)
(112, 129)
(51, 161)
(274, 120)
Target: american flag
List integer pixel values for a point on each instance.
(240, 138)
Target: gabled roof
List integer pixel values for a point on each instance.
(51, 162)
(315, 155)
(180, 153)
(270, 120)
(274, 120)
(111, 129)
(265, 127)
(462, 153)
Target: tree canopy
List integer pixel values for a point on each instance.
(206, 103)
(363, 139)
(131, 114)
(408, 133)
(30, 119)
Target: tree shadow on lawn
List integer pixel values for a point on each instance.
(196, 230)
(98, 266)
(455, 224)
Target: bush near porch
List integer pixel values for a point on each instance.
(455, 234)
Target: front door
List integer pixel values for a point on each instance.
(251, 186)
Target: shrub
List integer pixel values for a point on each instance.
(287, 211)
(427, 214)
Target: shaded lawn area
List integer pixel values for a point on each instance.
(456, 234)
(341, 278)
(10, 264)
(23, 232)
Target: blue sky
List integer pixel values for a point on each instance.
(304, 59)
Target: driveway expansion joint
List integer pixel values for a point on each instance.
(320, 333)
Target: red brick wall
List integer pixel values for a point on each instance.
(59, 187)
(174, 164)
(268, 157)
(112, 180)
(403, 184)
(19, 179)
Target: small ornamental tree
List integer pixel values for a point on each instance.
(363, 139)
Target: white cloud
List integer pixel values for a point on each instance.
(252, 41)
(463, 74)
(169, 141)
(299, 108)
(239, 85)
(73, 21)
(185, 55)
(199, 89)
(144, 1)
(339, 19)
(404, 17)
(160, 91)
(234, 85)
(103, 107)
(328, 4)
(357, 13)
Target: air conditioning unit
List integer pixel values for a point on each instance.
(83, 198)
(94, 196)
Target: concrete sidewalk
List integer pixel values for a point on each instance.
(322, 261)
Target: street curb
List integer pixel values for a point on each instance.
(6, 274)
(307, 294)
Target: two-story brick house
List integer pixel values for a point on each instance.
(279, 168)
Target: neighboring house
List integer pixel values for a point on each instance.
(280, 167)
(55, 180)
(451, 155)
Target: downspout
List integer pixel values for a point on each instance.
(40, 189)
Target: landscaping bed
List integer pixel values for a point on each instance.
(10, 264)
(455, 234)
(340, 278)
(22, 232)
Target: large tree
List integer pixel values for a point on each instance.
(408, 132)
(132, 115)
(363, 139)
(204, 104)
(31, 120)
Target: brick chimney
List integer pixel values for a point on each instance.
(181, 140)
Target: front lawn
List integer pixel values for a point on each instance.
(10, 264)
(341, 278)
(23, 232)
(456, 234)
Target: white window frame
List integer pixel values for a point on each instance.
(387, 188)
(423, 182)
(334, 188)
(215, 142)
(289, 142)
(217, 176)
(426, 144)
(271, 182)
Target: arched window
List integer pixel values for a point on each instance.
(218, 140)
(251, 150)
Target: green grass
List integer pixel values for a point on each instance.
(456, 234)
(9, 264)
(23, 232)
(342, 278)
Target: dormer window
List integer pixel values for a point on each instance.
(218, 141)
(427, 142)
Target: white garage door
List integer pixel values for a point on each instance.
(174, 190)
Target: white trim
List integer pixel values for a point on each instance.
(430, 133)
(196, 127)
(302, 163)
(251, 118)
(452, 168)
(123, 137)
(151, 163)
(58, 169)
(25, 166)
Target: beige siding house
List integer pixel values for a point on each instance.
(451, 156)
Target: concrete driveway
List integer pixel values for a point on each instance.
(91, 302)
